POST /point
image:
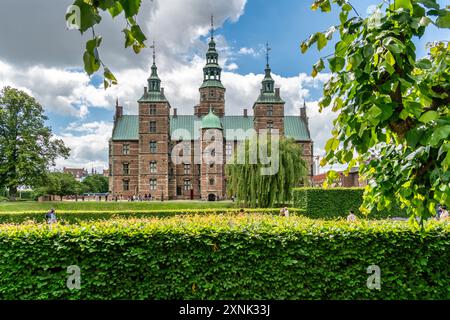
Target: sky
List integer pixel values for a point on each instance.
(42, 57)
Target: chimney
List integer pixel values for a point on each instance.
(119, 111)
(277, 92)
(262, 90)
(303, 113)
(162, 91)
(145, 92)
(174, 112)
(245, 113)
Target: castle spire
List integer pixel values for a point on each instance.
(154, 83)
(154, 52)
(212, 27)
(268, 83)
(267, 54)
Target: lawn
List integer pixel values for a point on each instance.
(22, 206)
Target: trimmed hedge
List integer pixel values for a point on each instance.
(336, 203)
(223, 257)
(78, 216)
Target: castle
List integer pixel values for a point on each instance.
(142, 147)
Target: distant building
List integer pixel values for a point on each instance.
(105, 173)
(352, 180)
(78, 173)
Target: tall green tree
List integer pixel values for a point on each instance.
(59, 184)
(393, 114)
(252, 188)
(96, 183)
(27, 146)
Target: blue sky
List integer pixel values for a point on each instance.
(48, 61)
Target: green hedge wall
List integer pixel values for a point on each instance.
(217, 257)
(65, 216)
(335, 203)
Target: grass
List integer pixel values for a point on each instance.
(22, 206)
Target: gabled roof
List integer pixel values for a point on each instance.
(188, 127)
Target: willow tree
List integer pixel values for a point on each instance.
(393, 115)
(256, 186)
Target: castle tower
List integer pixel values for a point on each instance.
(212, 184)
(154, 138)
(268, 110)
(212, 91)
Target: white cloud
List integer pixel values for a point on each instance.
(88, 143)
(247, 51)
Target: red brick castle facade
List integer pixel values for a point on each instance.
(142, 147)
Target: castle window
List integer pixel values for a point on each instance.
(270, 126)
(126, 149)
(211, 93)
(269, 111)
(211, 181)
(152, 166)
(153, 126)
(187, 169)
(153, 184)
(152, 109)
(229, 148)
(187, 185)
(126, 185)
(152, 146)
(213, 152)
(126, 168)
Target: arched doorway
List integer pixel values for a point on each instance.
(211, 197)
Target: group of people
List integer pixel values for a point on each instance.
(145, 197)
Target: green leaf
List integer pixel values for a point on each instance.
(406, 4)
(88, 15)
(429, 3)
(131, 7)
(389, 58)
(116, 9)
(439, 133)
(375, 112)
(424, 64)
(321, 41)
(129, 39)
(443, 21)
(336, 63)
(429, 116)
(138, 34)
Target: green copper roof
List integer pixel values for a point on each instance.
(269, 97)
(211, 121)
(126, 128)
(212, 83)
(187, 127)
(153, 96)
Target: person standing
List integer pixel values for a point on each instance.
(50, 217)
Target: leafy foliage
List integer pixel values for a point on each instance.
(89, 16)
(96, 183)
(213, 257)
(254, 189)
(59, 184)
(394, 115)
(70, 206)
(74, 217)
(336, 202)
(27, 147)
